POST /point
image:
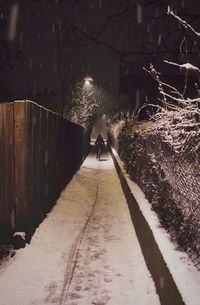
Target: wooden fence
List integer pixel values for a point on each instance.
(39, 153)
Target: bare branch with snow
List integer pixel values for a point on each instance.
(174, 95)
(183, 22)
(184, 67)
(84, 104)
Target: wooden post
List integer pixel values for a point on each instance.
(20, 157)
(6, 172)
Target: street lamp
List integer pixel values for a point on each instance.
(88, 81)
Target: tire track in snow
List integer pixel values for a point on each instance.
(74, 253)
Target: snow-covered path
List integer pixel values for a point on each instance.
(85, 252)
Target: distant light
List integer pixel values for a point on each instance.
(88, 81)
(88, 78)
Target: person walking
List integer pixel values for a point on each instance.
(99, 146)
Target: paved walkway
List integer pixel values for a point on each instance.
(85, 252)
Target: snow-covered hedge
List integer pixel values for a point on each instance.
(162, 155)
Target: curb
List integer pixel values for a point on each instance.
(164, 282)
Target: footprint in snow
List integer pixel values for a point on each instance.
(107, 278)
(101, 301)
(74, 295)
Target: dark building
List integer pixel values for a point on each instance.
(49, 45)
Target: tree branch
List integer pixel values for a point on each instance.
(183, 22)
(184, 67)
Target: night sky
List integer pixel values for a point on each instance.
(47, 46)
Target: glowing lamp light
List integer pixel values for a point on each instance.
(88, 81)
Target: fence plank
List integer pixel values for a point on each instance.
(20, 155)
(6, 173)
(39, 153)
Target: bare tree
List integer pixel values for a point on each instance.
(115, 26)
(171, 98)
(84, 104)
